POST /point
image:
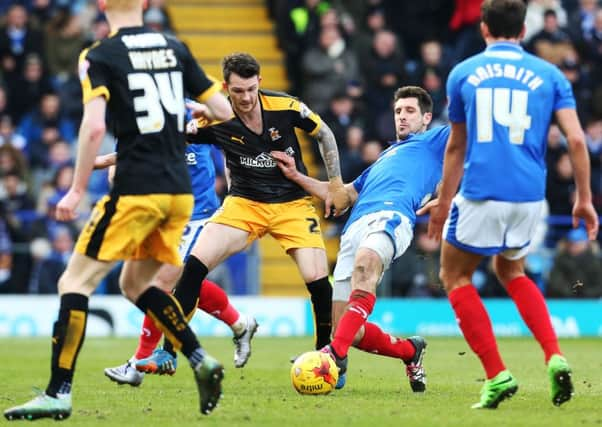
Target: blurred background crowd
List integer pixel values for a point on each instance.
(344, 59)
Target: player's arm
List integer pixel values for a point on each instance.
(583, 207)
(313, 186)
(105, 160)
(91, 134)
(337, 194)
(452, 174)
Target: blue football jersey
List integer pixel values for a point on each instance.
(506, 97)
(202, 176)
(403, 178)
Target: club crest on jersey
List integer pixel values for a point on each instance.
(274, 134)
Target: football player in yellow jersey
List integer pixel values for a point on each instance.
(139, 76)
(261, 200)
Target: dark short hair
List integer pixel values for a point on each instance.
(505, 18)
(243, 64)
(425, 102)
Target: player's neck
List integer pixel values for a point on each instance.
(492, 40)
(252, 119)
(121, 20)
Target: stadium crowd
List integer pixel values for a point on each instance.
(345, 62)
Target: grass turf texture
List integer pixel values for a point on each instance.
(377, 392)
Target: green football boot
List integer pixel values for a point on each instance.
(559, 372)
(41, 406)
(502, 386)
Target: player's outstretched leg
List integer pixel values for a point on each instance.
(160, 362)
(208, 374)
(242, 343)
(502, 386)
(41, 406)
(414, 368)
(561, 383)
(125, 374)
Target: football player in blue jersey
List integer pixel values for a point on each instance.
(385, 198)
(501, 102)
(212, 299)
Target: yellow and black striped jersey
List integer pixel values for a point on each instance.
(144, 76)
(254, 173)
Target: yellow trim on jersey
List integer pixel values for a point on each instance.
(89, 93)
(318, 127)
(215, 88)
(283, 103)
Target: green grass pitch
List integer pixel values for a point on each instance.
(377, 392)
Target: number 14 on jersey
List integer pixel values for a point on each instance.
(507, 108)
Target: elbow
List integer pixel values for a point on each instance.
(576, 140)
(97, 131)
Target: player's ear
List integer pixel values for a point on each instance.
(484, 30)
(102, 5)
(522, 32)
(144, 4)
(427, 118)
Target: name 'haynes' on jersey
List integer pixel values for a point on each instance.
(143, 75)
(506, 97)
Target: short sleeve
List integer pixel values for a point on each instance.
(94, 77)
(198, 84)
(203, 136)
(563, 92)
(455, 103)
(304, 118)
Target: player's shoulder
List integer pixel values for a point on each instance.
(272, 100)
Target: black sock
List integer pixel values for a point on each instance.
(321, 301)
(165, 311)
(67, 338)
(188, 289)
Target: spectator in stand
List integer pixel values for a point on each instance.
(3, 101)
(580, 82)
(59, 154)
(15, 196)
(157, 20)
(577, 268)
(8, 134)
(27, 89)
(64, 41)
(431, 57)
(373, 22)
(593, 48)
(340, 116)
(534, 20)
(329, 68)
(560, 193)
(99, 29)
(43, 127)
(464, 25)
(352, 164)
(582, 20)
(12, 159)
(551, 43)
(50, 268)
(158, 6)
(46, 222)
(383, 69)
(371, 151)
(17, 41)
(298, 31)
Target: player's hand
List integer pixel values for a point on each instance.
(587, 213)
(438, 214)
(199, 111)
(65, 209)
(337, 198)
(286, 164)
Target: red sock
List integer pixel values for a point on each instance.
(359, 308)
(476, 327)
(533, 310)
(377, 341)
(149, 338)
(213, 300)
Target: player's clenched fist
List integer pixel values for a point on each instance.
(337, 197)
